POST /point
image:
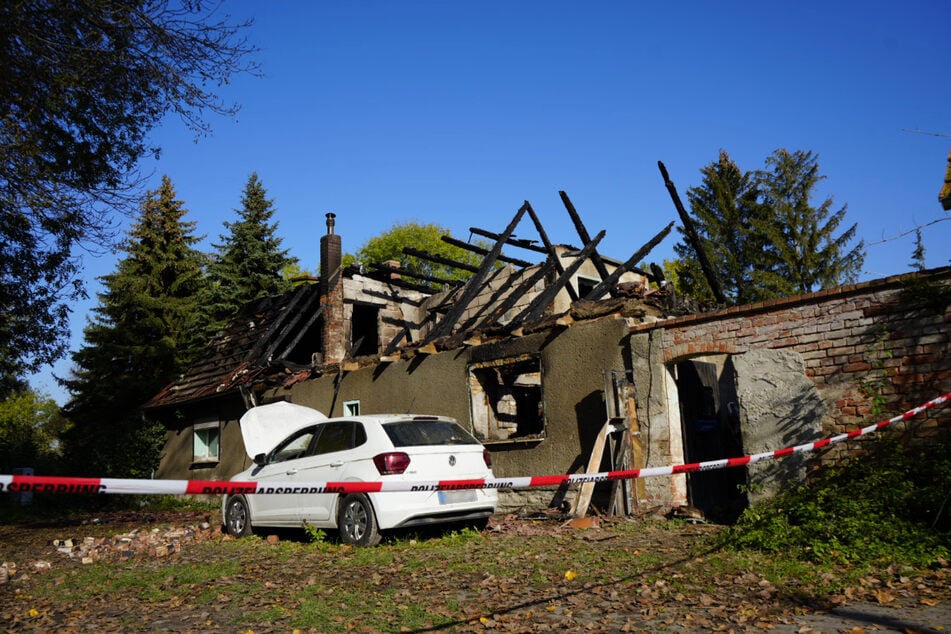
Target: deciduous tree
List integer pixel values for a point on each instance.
(83, 83)
(389, 245)
(30, 426)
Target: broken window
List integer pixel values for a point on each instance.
(364, 330)
(585, 285)
(206, 441)
(506, 399)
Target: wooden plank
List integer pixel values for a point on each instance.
(638, 491)
(583, 500)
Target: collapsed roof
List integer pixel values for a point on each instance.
(286, 337)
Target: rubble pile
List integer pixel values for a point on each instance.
(135, 544)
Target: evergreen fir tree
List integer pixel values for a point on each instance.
(806, 254)
(724, 208)
(249, 262)
(140, 338)
(762, 234)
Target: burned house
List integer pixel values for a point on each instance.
(562, 362)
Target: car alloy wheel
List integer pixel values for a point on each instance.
(357, 521)
(238, 517)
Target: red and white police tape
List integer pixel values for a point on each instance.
(51, 484)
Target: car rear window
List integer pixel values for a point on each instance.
(414, 433)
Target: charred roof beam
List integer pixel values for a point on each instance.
(693, 238)
(543, 299)
(418, 276)
(521, 243)
(550, 249)
(480, 251)
(583, 234)
(474, 285)
(608, 283)
(438, 259)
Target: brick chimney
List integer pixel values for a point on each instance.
(331, 292)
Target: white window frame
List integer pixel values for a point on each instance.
(206, 441)
(351, 408)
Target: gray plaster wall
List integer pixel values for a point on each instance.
(177, 454)
(779, 407)
(426, 384)
(572, 363)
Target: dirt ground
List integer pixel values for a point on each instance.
(34, 552)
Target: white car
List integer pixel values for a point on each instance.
(375, 448)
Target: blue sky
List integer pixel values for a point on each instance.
(456, 112)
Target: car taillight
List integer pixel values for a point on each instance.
(487, 457)
(392, 463)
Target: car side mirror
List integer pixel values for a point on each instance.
(260, 459)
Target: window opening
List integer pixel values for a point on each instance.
(351, 408)
(364, 330)
(206, 441)
(585, 286)
(506, 400)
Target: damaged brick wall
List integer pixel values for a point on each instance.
(873, 350)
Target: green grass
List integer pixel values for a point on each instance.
(454, 579)
(150, 584)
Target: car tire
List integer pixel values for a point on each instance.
(238, 517)
(480, 524)
(356, 521)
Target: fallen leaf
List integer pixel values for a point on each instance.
(571, 574)
(883, 596)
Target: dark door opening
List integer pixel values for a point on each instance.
(711, 432)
